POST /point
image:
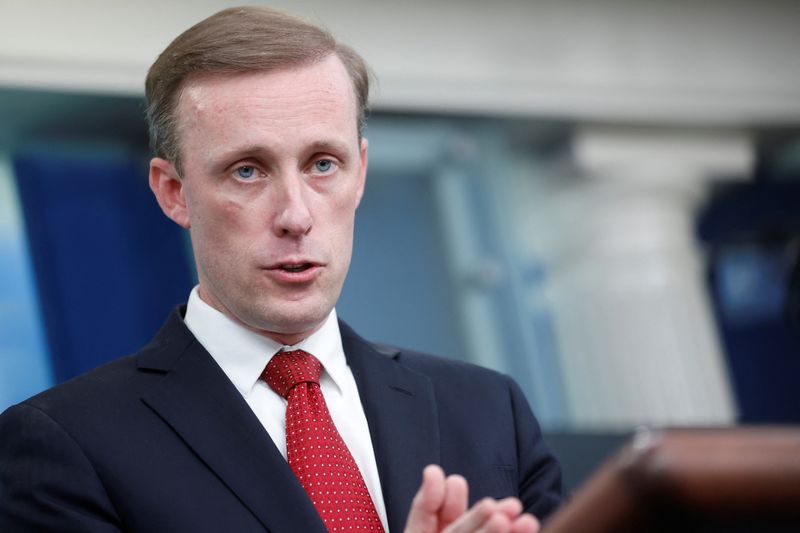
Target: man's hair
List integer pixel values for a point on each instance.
(239, 40)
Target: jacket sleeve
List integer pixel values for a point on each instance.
(539, 471)
(47, 483)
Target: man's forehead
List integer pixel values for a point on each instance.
(268, 112)
(318, 84)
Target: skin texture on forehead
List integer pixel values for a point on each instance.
(318, 104)
(294, 106)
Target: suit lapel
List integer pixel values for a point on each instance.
(201, 405)
(401, 412)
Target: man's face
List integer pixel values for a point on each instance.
(273, 171)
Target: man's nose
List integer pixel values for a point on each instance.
(294, 214)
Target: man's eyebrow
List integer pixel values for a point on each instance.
(328, 145)
(226, 157)
(240, 152)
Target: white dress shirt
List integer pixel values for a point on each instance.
(243, 354)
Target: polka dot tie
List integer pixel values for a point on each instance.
(316, 452)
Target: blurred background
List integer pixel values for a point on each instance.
(601, 199)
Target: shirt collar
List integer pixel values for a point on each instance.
(243, 354)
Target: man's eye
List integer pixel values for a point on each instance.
(245, 172)
(323, 165)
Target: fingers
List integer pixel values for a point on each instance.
(455, 500)
(432, 491)
(490, 516)
(519, 522)
(440, 505)
(511, 507)
(423, 516)
(480, 515)
(526, 523)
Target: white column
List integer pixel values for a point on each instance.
(637, 337)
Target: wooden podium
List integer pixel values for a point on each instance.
(692, 480)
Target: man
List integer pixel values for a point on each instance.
(257, 120)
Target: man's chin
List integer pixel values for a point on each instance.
(292, 327)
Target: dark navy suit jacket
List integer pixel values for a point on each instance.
(161, 441)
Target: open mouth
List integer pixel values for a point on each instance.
(295, 268)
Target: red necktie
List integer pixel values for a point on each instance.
(316, 452)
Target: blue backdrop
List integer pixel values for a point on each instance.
(109, 266)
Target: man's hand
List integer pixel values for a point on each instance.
(440, 505)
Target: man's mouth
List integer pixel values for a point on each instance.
(299, 267)
(295, 270)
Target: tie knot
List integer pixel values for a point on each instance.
(287, 369)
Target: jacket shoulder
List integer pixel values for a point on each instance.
(443, 367)
(98, 386)
(118, 380)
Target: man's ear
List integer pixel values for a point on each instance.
(362, 175)
(167, 186)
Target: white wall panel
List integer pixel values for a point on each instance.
(718, 61)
